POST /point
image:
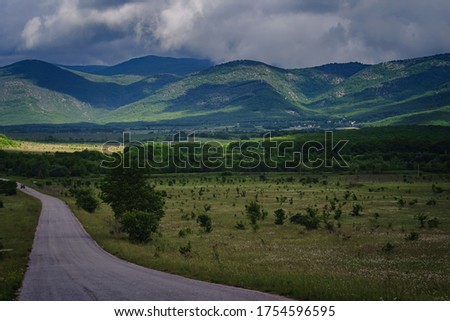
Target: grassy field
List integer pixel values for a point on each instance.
(35, 147)
(18, 221)
(384, 253)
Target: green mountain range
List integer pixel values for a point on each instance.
(192, 92)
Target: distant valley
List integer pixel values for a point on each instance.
(192, 92)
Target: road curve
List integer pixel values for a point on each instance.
(66, 264)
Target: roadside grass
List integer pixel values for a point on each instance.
(366, 257)
(18, 221)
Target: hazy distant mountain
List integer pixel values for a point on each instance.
(149, 66)
(190, 91)
(92, 69)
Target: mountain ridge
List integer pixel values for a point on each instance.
(148, 66)
(407, 91)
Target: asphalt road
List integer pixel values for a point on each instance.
(66, 264)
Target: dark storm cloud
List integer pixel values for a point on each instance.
(401, 28)
(289, 33)
(11, 24)
(99, 4)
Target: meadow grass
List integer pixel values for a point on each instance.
(36, 147)
(367, 257)
(18, 221)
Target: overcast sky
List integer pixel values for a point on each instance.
(285, 33)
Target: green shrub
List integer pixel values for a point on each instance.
(85, 199)
(239, 225)
(264, 214)
(205, 222)
(254, 212)
(186, 250)
(413, 236)
(329, 225)
(280, 216)
(356, 210)
(337, 213)
(184, 232)
(139, 225)
(387, 248)
(310, 220)
(434, 222)
(8, 188)
(1, 204)
(421, 218)
(401, 202)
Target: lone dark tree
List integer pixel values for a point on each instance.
(280, 216)
(136, 203)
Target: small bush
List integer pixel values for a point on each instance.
(434, 222)
(280, 216)
(310, 220)
(387, 248)
(1, 204)
(421, 218)
(264, 214)
(186, 250)
(184, 232)
(240, 225)
(205, 222)
(413, 236)
(436, 189)
(347, 195)
(139, 225)
(337, 214)
(329, 225)
(356, 210)
(254, 212)
(431, 202)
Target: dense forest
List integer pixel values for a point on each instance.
(371, 150)
(47, 165)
